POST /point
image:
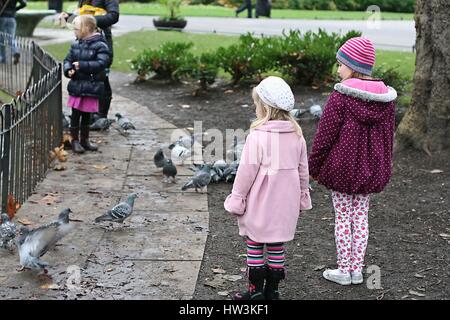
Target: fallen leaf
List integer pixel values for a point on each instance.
(218, 270)
(12, 206)
(436, 171)
(109, 270)
(228, 91)
(419, 275)
(25, 222)
(185, 106)
(59, 167)
(232, 277)
(50, 286)
(445, 236)
(315, 87)
(318, 268)
(48, 199)
(223, 293)
(415, 293)
(100, 167)
(216, 282)
(244, 106)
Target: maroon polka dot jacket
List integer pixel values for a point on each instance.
(352, 148)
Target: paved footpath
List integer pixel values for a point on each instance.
(158, 254)
(386, 34)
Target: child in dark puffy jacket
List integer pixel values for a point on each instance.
(85, 65)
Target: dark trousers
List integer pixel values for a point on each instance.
(246, 5)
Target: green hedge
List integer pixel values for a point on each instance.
(307, 59)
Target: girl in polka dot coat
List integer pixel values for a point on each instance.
(352, 153)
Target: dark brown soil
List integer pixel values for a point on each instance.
(409, 222)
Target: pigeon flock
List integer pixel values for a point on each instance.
(33, 244)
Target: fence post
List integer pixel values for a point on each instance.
(5, 155)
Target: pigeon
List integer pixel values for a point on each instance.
(7, 233)
(316, 110)
(124, 122)
(296, 113)
(120, 211)
(33, 244)
(65, 122)
(216, 175)
(218, 167)
(159, 159)
(188, 141)
(179, 153)
(101, 124)
(230, 173)
(169, 171)
(200, 179)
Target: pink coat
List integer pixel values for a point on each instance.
(271, 185)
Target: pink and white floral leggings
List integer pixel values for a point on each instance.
(351, 230)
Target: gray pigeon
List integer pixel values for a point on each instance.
(7, 233)
(33, 244)
(230, 173)
(124, 122)
(159, 159)
(316, 110)
(200, 179)
(65, 122)
(120, 211)
(101, 124)
(296, 113)
(169, 171)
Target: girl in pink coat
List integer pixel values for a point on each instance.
(271, 187)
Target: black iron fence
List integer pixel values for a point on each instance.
(31, 123)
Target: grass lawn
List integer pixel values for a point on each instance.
(130, 45)
(135, 8)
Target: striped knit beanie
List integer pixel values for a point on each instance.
(358, 54)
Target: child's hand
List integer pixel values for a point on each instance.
(71, 73)
(76, 65)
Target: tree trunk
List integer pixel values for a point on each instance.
(425, 125)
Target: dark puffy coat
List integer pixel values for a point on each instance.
(105, 22)
(12, 7)
(94, 57)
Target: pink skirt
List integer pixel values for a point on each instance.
(84, 104)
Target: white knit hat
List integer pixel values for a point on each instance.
(275, 92)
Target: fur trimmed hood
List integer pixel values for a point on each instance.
(391, 95)
(372, 105)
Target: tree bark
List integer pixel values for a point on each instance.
(425, 125)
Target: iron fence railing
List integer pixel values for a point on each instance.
(31, 124)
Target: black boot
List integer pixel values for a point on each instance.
(273, 278)
(76, 146)
(256, 277)
(84, 139)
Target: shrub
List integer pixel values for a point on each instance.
(203, 69)
(391, 77)
(309, 58)
(164, 61)
(247, 59)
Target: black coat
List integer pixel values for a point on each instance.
(12, 7)
(105, 22)
(94, 57)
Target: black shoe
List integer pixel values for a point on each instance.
(76, 147)
(256, 277)
(84, 140)
(273, 278)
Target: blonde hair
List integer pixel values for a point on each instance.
(88, 24)
(271, 113)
